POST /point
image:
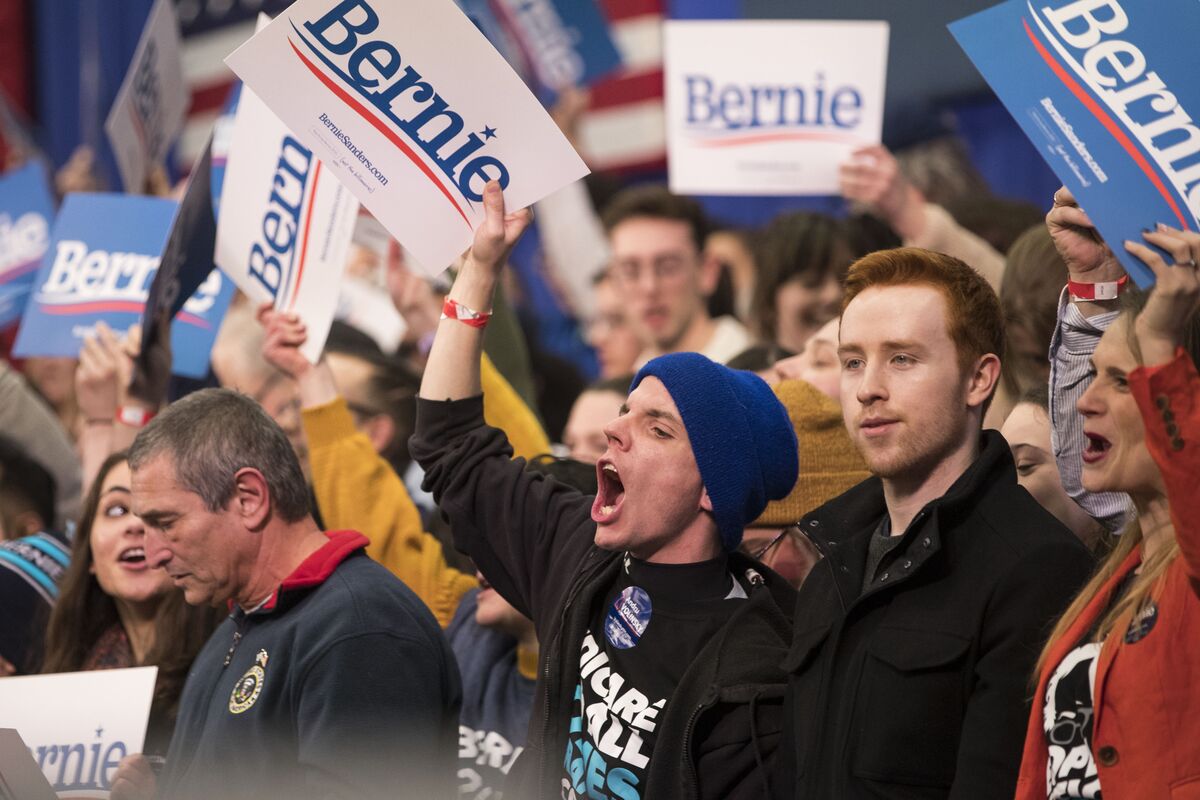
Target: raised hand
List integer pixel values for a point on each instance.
(102, 377)
(1161, 326)
(498, 234)
(1088, 258)
(285, 335)
(872, 177)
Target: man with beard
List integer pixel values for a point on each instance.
(917, 633)
(659, 673)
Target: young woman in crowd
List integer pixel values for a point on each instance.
(114, 611)
(1117, 709)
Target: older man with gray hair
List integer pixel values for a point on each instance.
(330, 678)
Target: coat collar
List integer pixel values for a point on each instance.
(316, 569)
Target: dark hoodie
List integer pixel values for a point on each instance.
(531, 536)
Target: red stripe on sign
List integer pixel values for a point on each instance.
(380, 126)
(209, 97)
(1107, 121)
(617, 10)
(88, 308)
(192, 319)
(312, 203)
(624, 89)
(758, 138)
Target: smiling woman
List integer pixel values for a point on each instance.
(115, 611)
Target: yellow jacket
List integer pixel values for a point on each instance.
(359, 490)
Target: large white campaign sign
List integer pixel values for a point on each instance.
(770, 107)
(79, 725)
(412, 108)
(286, 222)
(149, 110)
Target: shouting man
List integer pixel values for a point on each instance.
(659, 670)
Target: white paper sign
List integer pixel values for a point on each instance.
(770, 107)
(286, 221)
(78, 725)
(152, 101)
(413, 109)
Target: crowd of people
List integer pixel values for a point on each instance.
(894, 505)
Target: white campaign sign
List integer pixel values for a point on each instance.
(413, 110)
(770, 107)
(78, 725)
(151, 104)
(285, 223)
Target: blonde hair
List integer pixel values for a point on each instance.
(1146, 586)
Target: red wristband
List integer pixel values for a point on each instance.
(134, 416)
(452, 309)
(1108, 290)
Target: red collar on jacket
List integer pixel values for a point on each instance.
(316, 569)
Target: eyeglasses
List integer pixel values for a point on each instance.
(1072, 730)
(762, 551)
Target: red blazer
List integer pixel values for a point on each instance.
(1146, 739)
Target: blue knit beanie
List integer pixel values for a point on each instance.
(743, 440)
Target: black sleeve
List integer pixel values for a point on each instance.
(526, 532)
(1023, 608)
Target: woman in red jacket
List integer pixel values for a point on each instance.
(1117, 708)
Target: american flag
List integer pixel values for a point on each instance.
(624, 129)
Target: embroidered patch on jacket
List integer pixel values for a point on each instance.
(249, 686)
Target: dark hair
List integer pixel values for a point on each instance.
(1034, 274)
(618, 385)
(866, 233)
(973, 317)
(210, 435)
(84, 612)
(24, 484)
(800, 245)
(391, 390)
(998, 221)
(758, 357)
(657, 202)
(1037, 396)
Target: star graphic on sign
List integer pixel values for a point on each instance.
(488, 132)
(99, 731)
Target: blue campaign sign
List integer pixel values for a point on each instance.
(1107, 91)
(562, 43)
(26, 215)
(102, 258)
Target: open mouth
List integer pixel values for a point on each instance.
(610, 492)
(1097, 448)
(132, 555)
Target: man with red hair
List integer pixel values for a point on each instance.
(916, 635)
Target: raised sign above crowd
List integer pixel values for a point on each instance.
(413, 119)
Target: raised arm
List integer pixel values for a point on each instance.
(1167, 387)
(1080, 326)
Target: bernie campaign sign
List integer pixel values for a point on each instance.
(412, 110)
(1107, 92)
(79, 725)
(565, 42)
(741, 124)
(26, 212)
(286, 221)
(149, 110)
(101, 260)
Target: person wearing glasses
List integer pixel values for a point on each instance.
(664, 279)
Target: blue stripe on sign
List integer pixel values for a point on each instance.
(52, 548)
(42, 578)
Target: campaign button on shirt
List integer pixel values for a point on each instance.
(1142, 624)
(628, 618)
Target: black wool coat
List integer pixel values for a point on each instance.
(919, 687)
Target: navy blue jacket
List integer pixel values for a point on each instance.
(342, 685)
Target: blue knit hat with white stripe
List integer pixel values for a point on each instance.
(741, 435)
